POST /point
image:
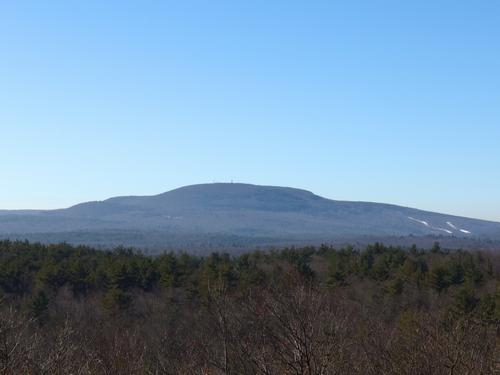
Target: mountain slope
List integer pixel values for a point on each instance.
(237, 211)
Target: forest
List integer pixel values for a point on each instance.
(313, 310)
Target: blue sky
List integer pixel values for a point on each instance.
(387, 101)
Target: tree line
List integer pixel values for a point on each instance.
(312, 310)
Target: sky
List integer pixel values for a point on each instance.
(385, 101)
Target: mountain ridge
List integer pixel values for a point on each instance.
(245, 210)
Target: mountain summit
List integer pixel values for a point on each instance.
(241, 213)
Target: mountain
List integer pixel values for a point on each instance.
(210, 215)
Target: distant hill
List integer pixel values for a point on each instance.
(234, 215)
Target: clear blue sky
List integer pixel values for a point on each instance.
(388, 101)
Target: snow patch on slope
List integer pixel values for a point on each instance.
(420, 221)
(431, 227)
(444, 230)
(456, 228)
(451, 225)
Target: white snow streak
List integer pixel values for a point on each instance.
(451, 225)
(420, 221)
(445, 230)
(431, 227)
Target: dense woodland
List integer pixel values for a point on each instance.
(377, 310)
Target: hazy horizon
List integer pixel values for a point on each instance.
(243, 183)
(355, 101)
